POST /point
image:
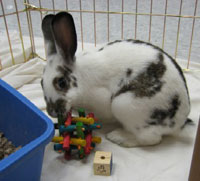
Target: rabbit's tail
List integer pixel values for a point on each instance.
(187, 122)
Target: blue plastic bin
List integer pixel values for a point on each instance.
(26, 126)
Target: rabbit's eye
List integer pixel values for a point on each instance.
(62, 83)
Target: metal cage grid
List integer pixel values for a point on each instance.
(30, 7)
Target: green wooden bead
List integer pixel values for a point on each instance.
(80, 133)
(81, 112)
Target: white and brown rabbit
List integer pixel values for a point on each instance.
(130, 81)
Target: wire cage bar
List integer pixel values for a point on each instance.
(134, 15)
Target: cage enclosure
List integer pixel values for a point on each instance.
(172, 25)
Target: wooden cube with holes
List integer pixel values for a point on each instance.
(102, 163)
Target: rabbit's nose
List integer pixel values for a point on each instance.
(53, 114)
(51, 111)
(56, 108)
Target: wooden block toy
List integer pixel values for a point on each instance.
(75, 133)
(102, 163)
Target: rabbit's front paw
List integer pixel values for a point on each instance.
(122, 138)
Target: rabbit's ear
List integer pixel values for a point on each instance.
(65, 35)
(48, 34)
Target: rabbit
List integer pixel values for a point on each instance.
(129, 81)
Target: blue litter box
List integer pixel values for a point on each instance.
(26, 126)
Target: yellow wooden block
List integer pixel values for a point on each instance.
(96, 139)
(57, 139)
(78, 141)
(84, 120)
(102, 163)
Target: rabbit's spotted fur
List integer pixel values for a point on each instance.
(133, 82)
